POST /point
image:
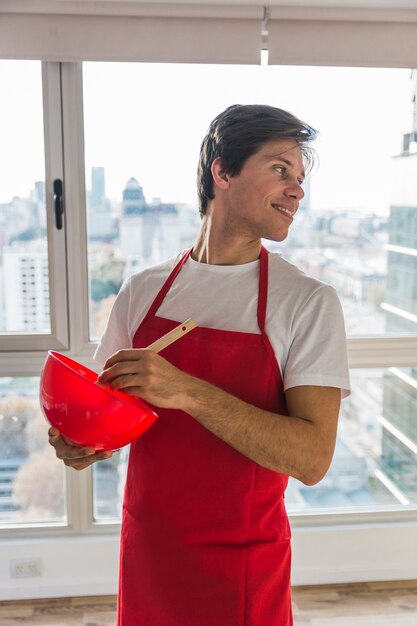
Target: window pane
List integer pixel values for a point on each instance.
(31, 479)
(24, 283)
(357, 225)
(355, 228)
(109, 479)
(375, 461)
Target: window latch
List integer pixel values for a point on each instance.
(58, 203)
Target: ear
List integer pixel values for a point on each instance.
(220, 176)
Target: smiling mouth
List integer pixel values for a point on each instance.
(284, 210)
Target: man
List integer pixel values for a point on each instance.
(246, 399)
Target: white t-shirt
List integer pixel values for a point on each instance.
(304, 320)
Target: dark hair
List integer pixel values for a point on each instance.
(239, 132)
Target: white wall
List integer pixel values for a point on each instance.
(82, 566)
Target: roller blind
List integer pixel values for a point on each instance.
(127, 31)
(349, 37)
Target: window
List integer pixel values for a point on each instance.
(28, 322)
(29, 241)
(142, 208)
(140, 199)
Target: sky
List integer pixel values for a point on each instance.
(148, 120)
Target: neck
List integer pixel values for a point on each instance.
(216, 245)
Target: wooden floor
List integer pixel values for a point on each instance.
(370, 604)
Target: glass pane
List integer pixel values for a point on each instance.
(31, 478)
(375, 461)
(355, 229)
(109, 478)
(357, 225)
(24, 283)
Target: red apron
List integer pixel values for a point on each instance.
(205, 536)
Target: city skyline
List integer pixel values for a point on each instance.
(156, 132)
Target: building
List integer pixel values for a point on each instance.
(134, 202)
(152, 232)
(101, 224)
(399, 441)
(26, 283)
(98, 187)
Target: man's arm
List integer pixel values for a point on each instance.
(300, 444)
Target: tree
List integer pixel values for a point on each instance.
(39, 487)
(106, 278)
(101, 315)
(15, 413)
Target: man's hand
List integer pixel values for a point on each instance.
(74, 456)
(145, 374)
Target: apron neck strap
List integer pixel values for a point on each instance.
(262, 288)
(166, 286)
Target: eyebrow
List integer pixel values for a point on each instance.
(278, 157)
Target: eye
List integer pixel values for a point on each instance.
(281, 169)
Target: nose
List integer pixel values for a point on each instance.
(295, 191)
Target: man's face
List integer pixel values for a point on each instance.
(263, 198)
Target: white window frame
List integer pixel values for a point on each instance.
(58, 338)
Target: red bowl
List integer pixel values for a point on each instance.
(86, 413)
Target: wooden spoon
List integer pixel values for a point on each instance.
(173, 335)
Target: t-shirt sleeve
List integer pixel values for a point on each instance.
(318, 350)
(116, 335)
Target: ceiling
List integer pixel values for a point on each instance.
(377, 4)
(366, 4)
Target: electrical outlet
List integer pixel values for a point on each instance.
(26, 568)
